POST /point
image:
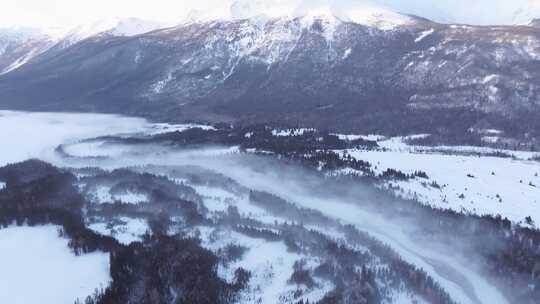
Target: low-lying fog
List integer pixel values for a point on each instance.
(26, 135)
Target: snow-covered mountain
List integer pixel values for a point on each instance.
(118, 27)
(19, 45)
(362, 12)
(317, 66)
(478, 12)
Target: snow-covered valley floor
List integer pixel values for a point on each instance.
(466, 179)
(459, 178)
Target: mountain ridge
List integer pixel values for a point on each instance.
(330, 73)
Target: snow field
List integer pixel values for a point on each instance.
(480, 185)
(38, 267)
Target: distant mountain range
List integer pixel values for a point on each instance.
(371, 70)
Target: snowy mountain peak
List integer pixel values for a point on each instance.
(112, 27)
(134, 26)
(362, 12)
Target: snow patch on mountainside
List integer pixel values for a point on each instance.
(423, 35)
(377, 17)
(19, 62)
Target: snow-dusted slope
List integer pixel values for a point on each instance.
(20, 45)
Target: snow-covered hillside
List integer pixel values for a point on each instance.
(38, 267)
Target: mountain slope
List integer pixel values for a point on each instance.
(319, 70)
(18, 46)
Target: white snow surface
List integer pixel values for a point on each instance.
(125, 230)
(270, 264)
(38, 267)
(291, 132)
(2, 185)
(102, 194)
(352, 137)
(218, 200)
(480, 185)
(22, 60)
(160, 128)
(423, 35)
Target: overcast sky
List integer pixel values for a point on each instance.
(47, 13)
